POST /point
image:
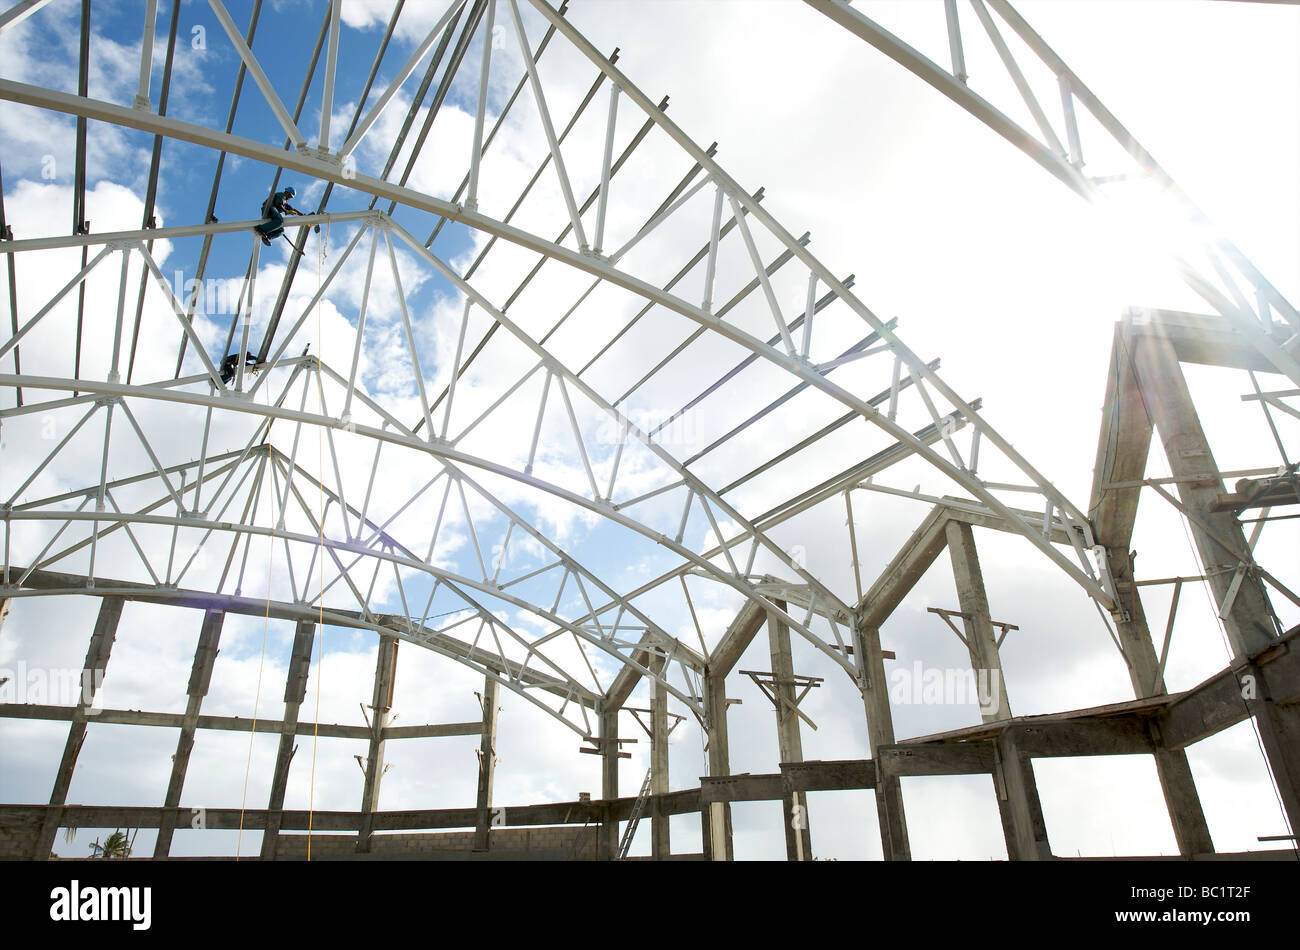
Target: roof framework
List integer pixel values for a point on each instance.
(423, 509)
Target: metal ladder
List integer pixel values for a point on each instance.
(637, 809)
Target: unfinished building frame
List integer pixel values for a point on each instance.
(210, 497)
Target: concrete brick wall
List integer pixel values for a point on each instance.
(19, 829)
(560, 841)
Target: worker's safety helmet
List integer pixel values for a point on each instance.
(289, 192)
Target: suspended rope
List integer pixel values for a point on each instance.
(320, 545)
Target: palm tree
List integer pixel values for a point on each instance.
(115, 846)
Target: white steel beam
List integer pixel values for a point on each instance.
(480, 111)
(386, 97)
(146, 55)
(255, 70)
(19, 12)
(331, 67)
(545, 114)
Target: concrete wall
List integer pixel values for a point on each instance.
(578, 843)
(19, 829)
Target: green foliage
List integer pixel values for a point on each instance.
(116, 846)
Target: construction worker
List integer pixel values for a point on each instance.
(230, 366)
(274, 209)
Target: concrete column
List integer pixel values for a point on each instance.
(660, 837)
(798, 836)
(880, 732)
(4, 611)
(1018, 803)
(608, 783)
(487, 764)
(1279, 732)
(92, 673)
(1249, 622)
(295, 690)
(205, 656)
(1218, 537)
(716, 818)
(974, 603)
(381, 705)
(1122, 452)
(1191, 830)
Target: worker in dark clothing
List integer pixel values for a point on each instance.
(275, 208)
(230, 366)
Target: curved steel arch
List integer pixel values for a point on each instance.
(447, 457)
(30, 511)
(308, 165)
(674, 649)
(379, 219)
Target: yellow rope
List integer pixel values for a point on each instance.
(320, 552)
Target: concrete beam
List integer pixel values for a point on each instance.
(1207, 708)
(649, 654)
(839, 775)
(487, 767)
(625, 682)
(1191, 830)
(205, 656)
(433, 731)
(381, 705)
(686, 801)
(880, 730)
(1209, 339)
(736, 639)
(981, 642)
(741, 788)
(967, 513)
(1247, 617)
(295, 690)
(660, 826)
(908, 566)
(1266, 686)
(799, 595)
(927, 541)
(1277, 713)
(716, 830)
(794, 806)
(1018, 803)
(1126, 732)
(1182, 800)
(326, 730)
(101, 646)
(1117, 735)
(251, 606)
(608, 840)
(1122, 450)
(973, 757)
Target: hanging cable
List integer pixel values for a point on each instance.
(320, 544)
